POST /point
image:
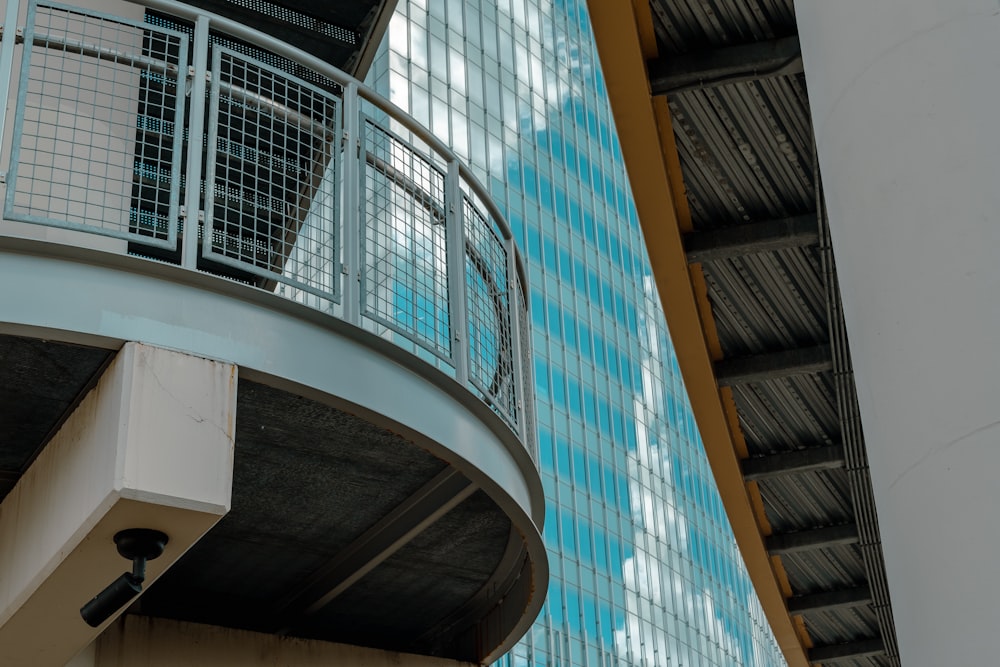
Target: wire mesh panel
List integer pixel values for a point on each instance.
(272, 146)
(405, 278)
(491, 363)
(98, 93)
(112, 128)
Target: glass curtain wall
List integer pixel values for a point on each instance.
(645, 570)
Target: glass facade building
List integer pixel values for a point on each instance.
(645, 570)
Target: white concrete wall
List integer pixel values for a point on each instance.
(137, 641)
(904, 97)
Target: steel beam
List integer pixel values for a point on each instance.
(476, 607)
(793, 463)
(733, 64)
(752, 237)
(432, 501)
(808, 540)
(848, 651)
(773, 366)
(828, 600)
(623, 33)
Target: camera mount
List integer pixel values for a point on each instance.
(137, 545)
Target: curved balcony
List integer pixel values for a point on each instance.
(179, 179)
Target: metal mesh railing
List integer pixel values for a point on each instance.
(491, 359)
(205, 144)
(98, 94)
(405, 278)
(272, 147)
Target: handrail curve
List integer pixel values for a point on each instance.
(286, 181)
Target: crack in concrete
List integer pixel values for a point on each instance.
(190, 411)
(941, 449)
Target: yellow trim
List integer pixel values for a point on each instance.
(700, 287)
(654, 173)
(757, 502)
(672, 160)
(800, 627)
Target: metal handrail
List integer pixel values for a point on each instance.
(103, 53)
(276, 46)
(194, 83)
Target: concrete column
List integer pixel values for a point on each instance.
(904, 102)
(85, 658)
(151, 446)
(137, 641)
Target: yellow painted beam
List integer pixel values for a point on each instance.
(625, 41)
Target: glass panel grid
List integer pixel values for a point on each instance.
(273, 141)
(644, 567)
(405, 276)
(96, 98)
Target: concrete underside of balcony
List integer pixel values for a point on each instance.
(415, 532)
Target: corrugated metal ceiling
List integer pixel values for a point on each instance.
(746, 153)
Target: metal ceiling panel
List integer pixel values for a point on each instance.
(746, 155)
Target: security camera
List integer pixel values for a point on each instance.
(138, 545)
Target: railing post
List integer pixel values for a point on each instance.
(352, 218)
(196, 129)
(514, 287)
(7, 65)
(457, 304)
